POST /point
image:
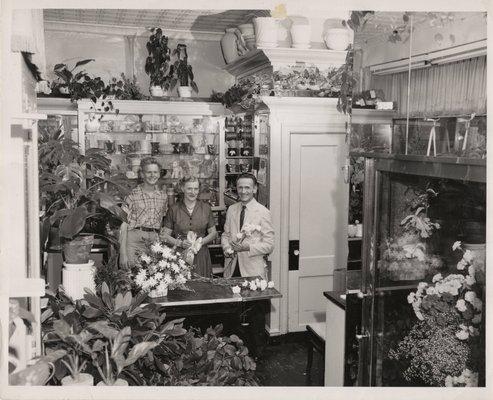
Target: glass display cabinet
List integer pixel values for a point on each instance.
(185, 137)
(417, 312)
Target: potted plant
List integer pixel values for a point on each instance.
(99, 105)
(78, 85)
(182, 72)
(156, 65)
(124, 88)
(74, 189)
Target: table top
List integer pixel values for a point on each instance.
(209, 293)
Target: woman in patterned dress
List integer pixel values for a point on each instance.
(191, 214)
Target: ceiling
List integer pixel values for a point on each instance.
(181, 20)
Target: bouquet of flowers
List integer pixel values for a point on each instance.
(443, 348)
(161, 268)
(247, 231)
(196, 245)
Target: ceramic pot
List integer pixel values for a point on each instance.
(337, 38)
(77, 277)
(156, 91)
(266, 31)
(109, 146)
(154, 148)
(300, 35)
(158, 293)
(145, 147)
(82, 379)
(247, 29)
(211, 149)
(92, 125)
(185, 91)
(118, 382)
(229, 46)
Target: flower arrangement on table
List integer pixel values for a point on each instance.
(443, 347)
(161, 268)
(253, 285)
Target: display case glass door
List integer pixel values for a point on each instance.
(423, 274)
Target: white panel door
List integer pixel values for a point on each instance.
(318, 219)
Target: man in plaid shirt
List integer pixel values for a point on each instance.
(146, 206)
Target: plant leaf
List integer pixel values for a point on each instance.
(138, 351)
(104, 328)
(83, 62)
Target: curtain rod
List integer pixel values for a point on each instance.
(442, 116)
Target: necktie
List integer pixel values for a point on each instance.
(242, 216)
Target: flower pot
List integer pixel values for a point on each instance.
(300, 35)
(229, 46)
(77, 250)
(92, 125)
(157, 91)
(185, 91)
(82, 379)
(155, 148)
(247, 29)
(118, 382)
(158, 293)
(337, 38)
(77, 277)
(266, 31)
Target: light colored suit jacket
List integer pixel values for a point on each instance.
(251, 262)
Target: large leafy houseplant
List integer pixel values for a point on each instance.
(75, 188)
(157, 62)
(79, 85)
(181, 71)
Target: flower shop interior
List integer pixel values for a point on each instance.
(360, 137)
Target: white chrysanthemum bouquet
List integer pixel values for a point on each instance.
(161, 268)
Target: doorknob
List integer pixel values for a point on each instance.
(362, 295)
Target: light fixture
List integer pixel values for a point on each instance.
(459, 57)
(381, 70)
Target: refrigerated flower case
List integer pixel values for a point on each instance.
(415, 314)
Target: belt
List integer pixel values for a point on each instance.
(143, 228)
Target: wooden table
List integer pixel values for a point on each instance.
(247, 310)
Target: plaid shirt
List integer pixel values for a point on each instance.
(146, 209)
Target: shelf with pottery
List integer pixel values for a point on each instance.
(182, 136)
(277, 57)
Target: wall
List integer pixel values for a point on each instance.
(109, 51)
(465, 28)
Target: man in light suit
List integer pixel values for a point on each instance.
(251, 250)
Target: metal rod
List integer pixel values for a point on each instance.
(409, 79)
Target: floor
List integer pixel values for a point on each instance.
(283, 362)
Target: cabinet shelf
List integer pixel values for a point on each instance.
(238, 157)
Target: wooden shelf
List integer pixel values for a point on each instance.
(238, 157)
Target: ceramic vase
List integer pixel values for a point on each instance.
(337, 38)
(185, 91)
(158, 293)
(266, 31)
(92, 125)
(118, 382)
(82, 379)
(300, 36)
(77, 277)
(156, 91)
(229, 46)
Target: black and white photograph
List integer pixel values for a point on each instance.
(279, 199)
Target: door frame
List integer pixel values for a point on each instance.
(289, 115)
